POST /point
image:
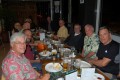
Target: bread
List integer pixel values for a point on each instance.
(56, 66)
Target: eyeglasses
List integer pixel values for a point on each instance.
(24, 43)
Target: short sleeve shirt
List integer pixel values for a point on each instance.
(16, 67)
(109, 51)
(91, 44)
(62, 32)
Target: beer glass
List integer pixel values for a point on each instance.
(77, 66)
(65, 64)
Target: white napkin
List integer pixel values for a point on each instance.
(72, 76)
(42, 36)
(87, 73)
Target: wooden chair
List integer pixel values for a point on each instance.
(3, 77)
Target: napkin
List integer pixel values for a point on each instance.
(87, 73)
(42, 36)
(71, 76)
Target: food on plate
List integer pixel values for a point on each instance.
(45, 51)
(56, 66)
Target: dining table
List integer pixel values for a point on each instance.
(45, 61)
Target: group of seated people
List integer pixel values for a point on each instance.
(99, 50)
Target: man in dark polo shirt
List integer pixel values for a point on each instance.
(108, 49)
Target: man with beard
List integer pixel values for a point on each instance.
(29, 53)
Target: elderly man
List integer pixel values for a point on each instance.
(76, 39)
(91, 43)
(15, 66)
(108, 49)
(62, 32)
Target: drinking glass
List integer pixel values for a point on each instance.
(65, 64)
(54, 58)
(66, 54)
(61, 50)
(77, 66)
(72, 48)
(54, 52)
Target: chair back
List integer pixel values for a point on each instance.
(3, 77)
(117, 58)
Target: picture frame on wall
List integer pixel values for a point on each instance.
(81, 1)
(57, 6)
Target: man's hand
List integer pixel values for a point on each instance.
(45, 77)
(33, 61)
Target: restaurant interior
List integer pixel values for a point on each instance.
(94, 12)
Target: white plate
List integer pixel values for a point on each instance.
(97, 76)
(65, 49)
(52, 67)
(85, 64)
(55, 42)
(47, 53)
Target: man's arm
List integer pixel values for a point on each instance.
(100, 63)
(45, 77)
(90, 54)
(33, 61)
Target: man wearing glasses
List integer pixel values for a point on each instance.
(16, 66)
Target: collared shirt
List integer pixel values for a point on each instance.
(16, 67)
(91, 44)
(62, 32)
(76, 34)
(28, 52)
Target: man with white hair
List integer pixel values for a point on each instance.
(16, 66)
(91, 43)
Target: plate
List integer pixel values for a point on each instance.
(85, 64)
(65, 49)
(55, 42)
(99, 77)
(53, 67)
(45, 53)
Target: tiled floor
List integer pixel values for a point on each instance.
(3, 52)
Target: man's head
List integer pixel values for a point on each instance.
(89, 30)
(28, 35)
(61, 22)
(18, 43)
(28, 20)
(26, 25)
(48, 19)
(17, 26)
(104, 35)
(77, 28)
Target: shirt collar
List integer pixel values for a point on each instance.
(62, 27)
(14, 53)
(76, 34)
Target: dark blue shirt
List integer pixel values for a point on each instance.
(76, 41)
